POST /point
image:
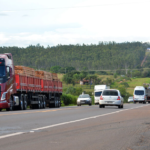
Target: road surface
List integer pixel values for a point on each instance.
(72, 128)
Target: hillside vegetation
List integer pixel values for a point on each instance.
(108, 55)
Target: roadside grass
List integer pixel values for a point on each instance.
(138, 82)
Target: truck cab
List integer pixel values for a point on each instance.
(7, 80)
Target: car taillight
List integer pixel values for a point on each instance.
(101, 98)
(118, 98)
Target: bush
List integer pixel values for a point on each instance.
(124, 93)
(69, 99)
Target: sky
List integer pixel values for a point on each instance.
(53, 22)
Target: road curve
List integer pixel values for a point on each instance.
(82, 128)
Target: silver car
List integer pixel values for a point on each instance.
(130, 99)
(84, 99)
(111, 97)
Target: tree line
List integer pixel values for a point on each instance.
(101, 56)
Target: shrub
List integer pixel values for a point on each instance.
(69, 99)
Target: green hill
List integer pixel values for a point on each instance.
(108, 55)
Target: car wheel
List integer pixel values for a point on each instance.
(134, 102)
(100, 106)
(103, 106)
(119, 106)
(90, 104)
(122, 106)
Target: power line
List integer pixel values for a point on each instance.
(88, 6)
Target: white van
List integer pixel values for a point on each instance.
(139, 95)
(97, 92)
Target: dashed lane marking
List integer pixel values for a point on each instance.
(55, 125)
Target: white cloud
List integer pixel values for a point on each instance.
(109, 20)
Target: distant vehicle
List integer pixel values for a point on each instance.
(139, 95)
(84, 99)
(130, 99)
(111, 97)
(148, 94)
(97, 92)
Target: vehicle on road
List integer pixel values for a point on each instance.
(139, 95)
(84, 99)
(98, 91)
(23, 86)
(111, 97)
(130, 99)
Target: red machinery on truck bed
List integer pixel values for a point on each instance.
(27, 87)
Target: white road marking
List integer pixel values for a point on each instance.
(9, 135)
(93, 117)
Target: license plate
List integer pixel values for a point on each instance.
(109, 102)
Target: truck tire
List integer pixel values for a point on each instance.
(0, 109)
(21, 99)
(59, 102)
(39, 104)
(11, 105)
(44, 102)
(25, 102)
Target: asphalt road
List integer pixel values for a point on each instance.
(72, 128)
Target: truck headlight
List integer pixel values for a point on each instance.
(3, 96)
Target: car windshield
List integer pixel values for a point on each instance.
(139, 92)
(130, 97)
(98, 94)
(110, 93)
(84, 96)
(2, 71)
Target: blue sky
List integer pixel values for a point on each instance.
(50, 22)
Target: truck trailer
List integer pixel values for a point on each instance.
(18, 90)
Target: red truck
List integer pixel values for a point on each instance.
(19, 91)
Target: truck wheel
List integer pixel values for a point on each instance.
(39, 104)
(21, 102)
(44, 102)
(25, 103)
(0, 109)
(11, 105)
(58, 102)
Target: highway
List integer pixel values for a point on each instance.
(72, 128)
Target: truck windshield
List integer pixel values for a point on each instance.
(2, 71)
(139, 92)
(98, 94)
